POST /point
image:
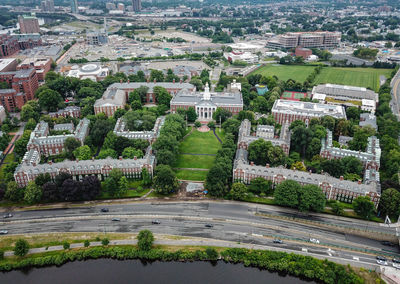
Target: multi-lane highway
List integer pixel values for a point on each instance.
(238, 222)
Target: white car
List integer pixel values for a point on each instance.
(396, 263)
(381, 260)
(314, 241)
(3, 232)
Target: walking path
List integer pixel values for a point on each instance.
(215, 134)
(192, 169)
(194, 154)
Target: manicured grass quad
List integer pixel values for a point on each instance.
(361, 77)
(196, 143)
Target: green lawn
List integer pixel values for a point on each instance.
(285, 72)
(197, 143)
(200, 143)
(191, 175)
(194, 161)
(8, 159)
(361, 77)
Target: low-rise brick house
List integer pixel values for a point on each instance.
(69, 111)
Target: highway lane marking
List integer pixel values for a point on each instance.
(304, 249)
(356, 258)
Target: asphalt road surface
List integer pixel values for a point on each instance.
(238, 222)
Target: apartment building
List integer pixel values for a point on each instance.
(42, 66)
(28, 24)
(306, 40)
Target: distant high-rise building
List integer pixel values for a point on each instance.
(137, 5)
(28, 24)
(74, 7)
(47, 6)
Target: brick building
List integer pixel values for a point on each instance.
(205, 104)
(265, 132)
(285, 111)
(69, 111)
(303, 52)
(30, 168)
(8, 45)
(333, 188)
(28, 24)
(54, 145)
(9, 64)
(117, 94)
(24, 84)
(42, 65)
(151, 136)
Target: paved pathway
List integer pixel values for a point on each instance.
(220, 141)
(192, 169)
(194, 154)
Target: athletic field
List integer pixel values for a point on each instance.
(361, 77)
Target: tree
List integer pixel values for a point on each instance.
(31, 124)
(162, 96)
(363, 206)
(337, 208)
(390, 203)
(86, 243)
(83, 153)
(157, 75)
(221, 115)
(50, 192)
(66, 245)
(90, 188)
(105, 242)
(71, 144)
(104, 153)
(27, 112)
(212, 253)
(145, 240)
(123, 185)
(311, 199)
(13, 192)
(191, 114)
(33, 193)
(260, 185)
(238, 191)
(287, 193)
(49, 100)
(41, 179)
(130, 153)
(298, 166)
(21, 248)
(165, 180)
(165, 157)
(301, 137)
(146, 177)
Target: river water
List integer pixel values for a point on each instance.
(134, 271)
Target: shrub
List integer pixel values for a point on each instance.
(105, 241)
(66, 245)
(197, 124)
(21, 248)
(1, 254)
(145, 240)
(86, 243)
(212, 254)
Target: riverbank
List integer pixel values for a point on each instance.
(292, 264)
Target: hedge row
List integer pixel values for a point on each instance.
(297, 265)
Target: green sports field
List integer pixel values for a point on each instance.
(361, 77)
(285, 72)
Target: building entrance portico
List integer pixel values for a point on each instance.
(205, 112)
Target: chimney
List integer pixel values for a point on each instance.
(92, 159)
(129, 81)
(120, 158)
(294, 168)
(155, 81)
(148, 80)
(251, 163)
(135, 158)
(359, 181)
(310, 172)
(77, 160)
(341, 177)
(267, 165)
(180, 81)
(173, 81)
(322, 172)
(50, 162)
(120, 80)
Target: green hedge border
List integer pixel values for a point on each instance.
(304, 267)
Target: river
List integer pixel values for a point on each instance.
(134, 271)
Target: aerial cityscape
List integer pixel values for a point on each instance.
(142, 141)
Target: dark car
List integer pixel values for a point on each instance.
(104, 210)
(387, 243)
(209, 225)
(277, 241)
(156, 222)
(116, 219)
(8, 215)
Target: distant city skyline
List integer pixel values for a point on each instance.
(137, 5)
